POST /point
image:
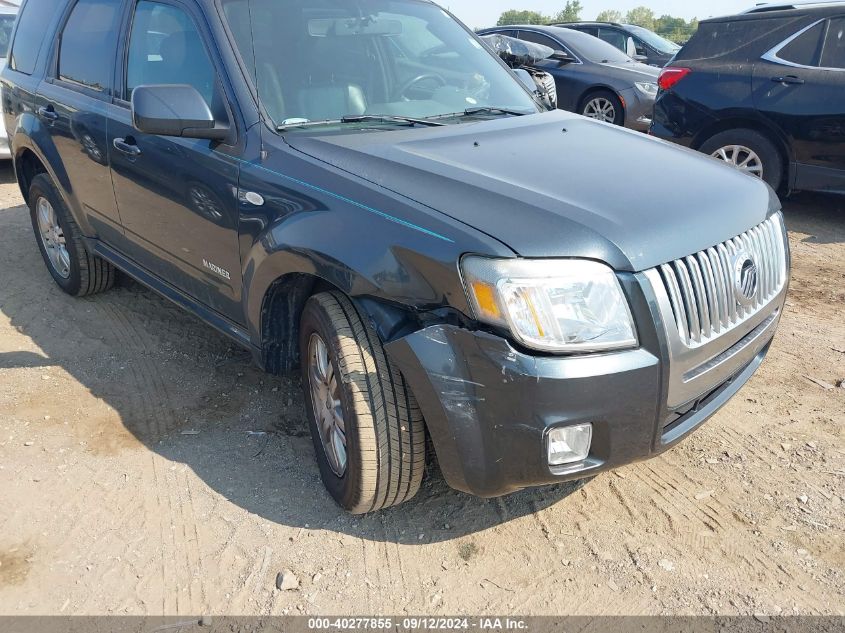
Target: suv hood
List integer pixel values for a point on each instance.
(558, 185)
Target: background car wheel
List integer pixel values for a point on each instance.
(748, 151)
(367, 429)
(604, 106)
(74, 269)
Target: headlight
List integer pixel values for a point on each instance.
(647, 88)
(551, 305)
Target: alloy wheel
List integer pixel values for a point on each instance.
(52, 237)
(600, 109)
(328, 411)
(742, 158)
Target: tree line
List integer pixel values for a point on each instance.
(675, 29)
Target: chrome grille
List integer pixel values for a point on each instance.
(701, 286)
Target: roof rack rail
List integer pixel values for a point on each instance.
(766, 7)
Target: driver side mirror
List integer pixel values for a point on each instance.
(563, 57)
(174, 110)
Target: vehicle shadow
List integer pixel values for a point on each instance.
(190, 395)
(820, 216)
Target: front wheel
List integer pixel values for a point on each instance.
(604, 106)
(367, 429)
(748, 151)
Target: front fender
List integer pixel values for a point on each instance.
(318, 221)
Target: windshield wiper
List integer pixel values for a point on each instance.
(360, 118)
(492, 110)
(389, 118)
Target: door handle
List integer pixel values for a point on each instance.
(48, 113)
(130, 149)
(789, 79)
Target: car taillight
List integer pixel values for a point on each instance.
(670, 76)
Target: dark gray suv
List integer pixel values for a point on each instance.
(360, 191)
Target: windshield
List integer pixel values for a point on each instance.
(593, 49)
(660, 44)
(7, 23)
(318, 60)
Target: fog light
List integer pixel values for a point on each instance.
(569, 444)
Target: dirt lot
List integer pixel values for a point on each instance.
(147, 468)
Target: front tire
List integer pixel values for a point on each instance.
(750, 152)
(604, 106)
(368, 432)
(73, 268)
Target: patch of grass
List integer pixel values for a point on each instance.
(468, 551)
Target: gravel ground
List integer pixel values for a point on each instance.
(147, 468)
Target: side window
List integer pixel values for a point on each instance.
(165, 47)
(34, 20)
(539, 38)
(641, 47)
(88, 44)
(804, 50)
(615, 38)
(833, 53)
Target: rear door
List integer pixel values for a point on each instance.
(72, 102)
(800, 87)
(177, 196)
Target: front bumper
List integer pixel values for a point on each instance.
(489, 406)
(639, 109)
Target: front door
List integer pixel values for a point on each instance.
(177, 197)
(800, 87)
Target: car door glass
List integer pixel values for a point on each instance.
(30, 34)
(833, 53)
(804, 50)
(615, 38)
(165, 47)
(539, 38)
(88, 44)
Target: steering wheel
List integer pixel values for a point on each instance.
(401, 92)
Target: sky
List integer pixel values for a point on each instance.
(482, 13)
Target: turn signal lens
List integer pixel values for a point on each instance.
(670, 76)
(485, 298)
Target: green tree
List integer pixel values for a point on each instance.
(609, 16)
(641, 16)
(570, 13)
(521, 17)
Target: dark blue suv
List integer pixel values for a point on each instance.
(360, 191)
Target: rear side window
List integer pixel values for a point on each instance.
(716, 39)
(35, 18)
(88, 44)
(804, 50)
(833, 53)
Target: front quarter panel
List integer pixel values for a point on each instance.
(352, 234)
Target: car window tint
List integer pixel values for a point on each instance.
(833, 53)
(539, 38)
(715, 39)
(34, 20)
(804, 50)
(614, 37)
(88, 44)
(7, 22)
(165, 47)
